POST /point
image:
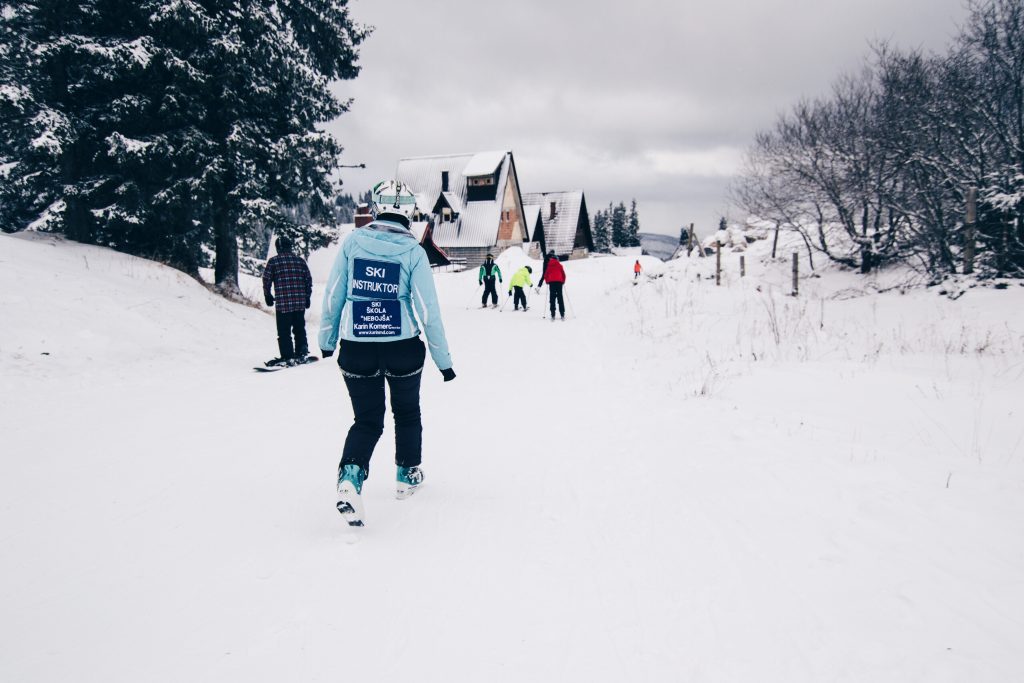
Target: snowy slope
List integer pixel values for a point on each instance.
(682, 482)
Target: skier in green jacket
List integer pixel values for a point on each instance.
(488, 272)
(520, 281)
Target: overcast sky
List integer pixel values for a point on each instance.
(652, 99)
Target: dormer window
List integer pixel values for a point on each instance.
(481, 182)
(446, 215)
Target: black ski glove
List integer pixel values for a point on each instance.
(270, 299)
(326, 354)
(448, 374)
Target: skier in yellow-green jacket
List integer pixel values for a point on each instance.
(520, 281)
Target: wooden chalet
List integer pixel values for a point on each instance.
(562, 223)
(472, 201)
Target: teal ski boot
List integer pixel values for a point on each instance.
(409, 479)
(350, 489)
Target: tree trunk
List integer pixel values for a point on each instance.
(225, 270)
(970, 220)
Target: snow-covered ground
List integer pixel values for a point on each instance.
(683, 482)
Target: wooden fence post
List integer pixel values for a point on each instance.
(972, 217)
(796, 274)
(689, 241)
(775, 242)
(743, 265)
(718, 263)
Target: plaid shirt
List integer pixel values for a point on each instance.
(292, 283)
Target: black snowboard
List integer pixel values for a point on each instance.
(275, 368)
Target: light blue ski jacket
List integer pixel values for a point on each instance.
(382, 274)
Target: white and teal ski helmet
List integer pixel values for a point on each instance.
(395, 197)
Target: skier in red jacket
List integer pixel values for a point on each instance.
(554, 274)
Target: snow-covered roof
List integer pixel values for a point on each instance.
(436, 255)
(478, 221)
(560, 231)
(418, 229)
(531, 214)
(484, 163)
(423, 176)
(453, 201)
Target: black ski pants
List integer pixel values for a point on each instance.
(555, 294)
(489, 290)
(518, 297)
(367, 366)
(293, 322)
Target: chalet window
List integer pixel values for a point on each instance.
(444, 181)
(482, 188)
(446, 214)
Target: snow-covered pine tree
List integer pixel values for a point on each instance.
(90, 156)
(618, 225)
(21, 125)
(633, 226)
(40, 122)
(265, 67)
(160, 127)
(602, 236)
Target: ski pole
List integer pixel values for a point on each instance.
(568, 303)
(509, 296)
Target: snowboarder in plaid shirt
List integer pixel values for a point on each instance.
(293, 286)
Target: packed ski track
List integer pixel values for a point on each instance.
(679, 482)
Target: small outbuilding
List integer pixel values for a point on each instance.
(562, 223)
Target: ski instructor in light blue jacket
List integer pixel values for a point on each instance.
(380, 284)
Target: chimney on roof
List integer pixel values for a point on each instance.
(363, 215)
(553, 211)
(444, 181)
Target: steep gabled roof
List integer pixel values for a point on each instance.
(477, 224)
(559, 232)
(422, 231)
(531, 214)
(449, 198)
(534, 226)
(423, 176)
